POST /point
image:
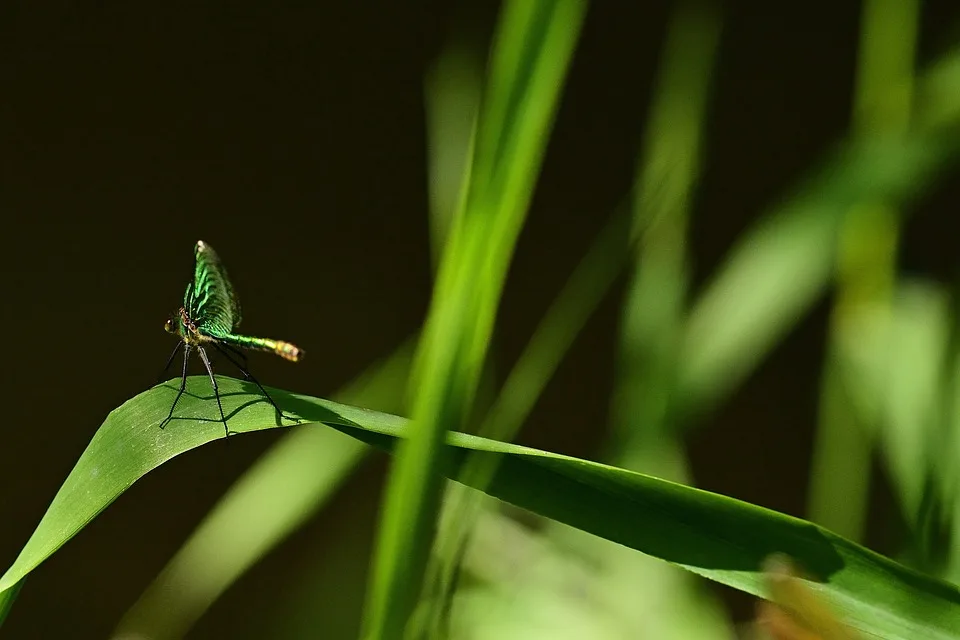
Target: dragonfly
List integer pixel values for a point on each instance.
(209, 318)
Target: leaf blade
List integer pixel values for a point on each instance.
(712, 535)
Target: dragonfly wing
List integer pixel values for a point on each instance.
(212, 302)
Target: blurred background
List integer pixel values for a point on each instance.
(293, 137)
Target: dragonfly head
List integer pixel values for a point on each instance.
(180, 324)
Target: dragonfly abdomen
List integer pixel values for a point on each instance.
(285, 350)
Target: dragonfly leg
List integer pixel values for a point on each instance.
(183, 382)
(169, 361)
(240, 354)
(222, 347)
(216, 390)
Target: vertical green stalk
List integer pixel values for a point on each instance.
(664, 186)
(452, 100)
(649, 597)
(532, 49)
(950, 475)
(584, 290)
(865, 276)
(669, 169)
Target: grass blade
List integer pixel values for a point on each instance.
(273, 498)
(452, 103)
(948, 471)
(715, 536)
(840, 476)
(647, 597)
(256, 514)
(780, 268)
(7, 598)
(917, 347)
(533, 45)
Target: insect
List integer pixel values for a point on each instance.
(208, 318)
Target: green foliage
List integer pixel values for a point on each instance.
(715, 536)
(7, 599)
(287, 485)
(890, 380)
(533, 45)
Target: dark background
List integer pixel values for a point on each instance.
(290, 136)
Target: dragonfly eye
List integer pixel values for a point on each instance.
(169, 326)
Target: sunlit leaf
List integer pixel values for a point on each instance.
(715, 536)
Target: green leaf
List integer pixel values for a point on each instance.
(274, 497)
(715, 536)
(917, 349)
(452, 102)
(6, 600)
(258, 513)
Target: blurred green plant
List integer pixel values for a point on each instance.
(649, 598)
(866, 261)
(532, 47)
(893, 370)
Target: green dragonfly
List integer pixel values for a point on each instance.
(209, 317)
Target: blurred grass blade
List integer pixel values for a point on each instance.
(583, 292)
(949, 473)
(646, 597)
(911, 404)
(666, 179)
(784, 265)
(452, 103)
(772, 278)
(273, 498)
(885, 65)
(532, 47)
(891, 361)
(553, 337)
(780, 268)
(718, 537)
(868, 238)
(591, 280)
(521, 585)
(259, 512)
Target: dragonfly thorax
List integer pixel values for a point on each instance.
(183, 326)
